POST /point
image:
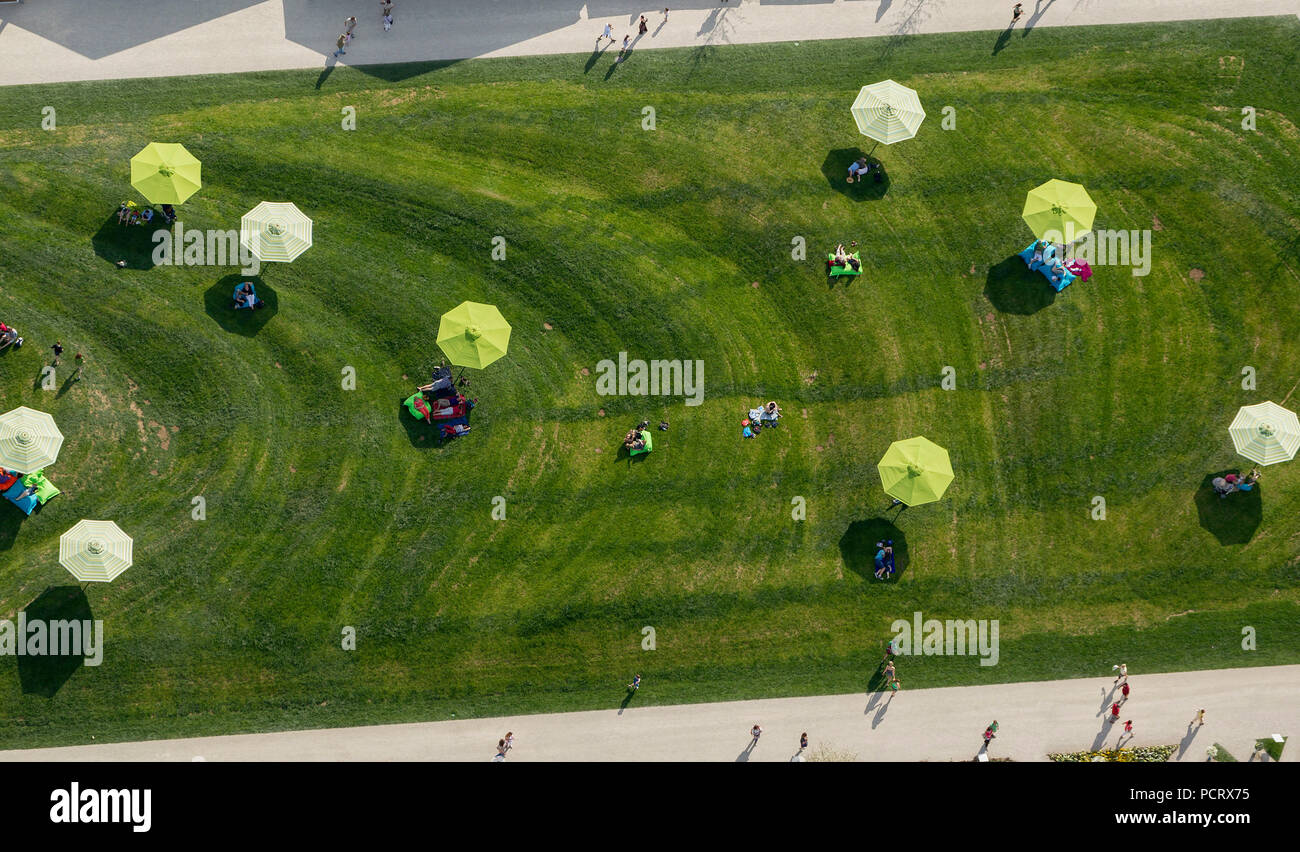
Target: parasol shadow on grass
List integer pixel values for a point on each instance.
(1013, 288)
(1232, 519)
(858, 547)
(132, 243)
(219, 303)
(836, 169)
(11, 521)
(46, 674)
(422, 435)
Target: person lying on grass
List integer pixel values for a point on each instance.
(858, 168)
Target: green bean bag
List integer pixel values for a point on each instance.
(44, 488)
(846, 269)
(410, 404)
(649, 444)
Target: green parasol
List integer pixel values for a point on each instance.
(473, 334)
(915, 471)
(1061, 209)
(165, 173)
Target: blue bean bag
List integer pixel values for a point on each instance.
(239, 304)
(1050, 257)
(25, 503)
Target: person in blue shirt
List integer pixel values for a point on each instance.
(884, 559)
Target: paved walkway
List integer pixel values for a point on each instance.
(62, 40)
(1034, 719)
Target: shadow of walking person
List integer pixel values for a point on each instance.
(1100, 740)
(1192, 730)
(1003, 38)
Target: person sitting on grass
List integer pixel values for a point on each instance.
(771, 411)
(1249, 481)
(858, 168)
(146, 216)
(884, 559)
(630, 439)
(245, 297)
(1222, 486)
(169, 213)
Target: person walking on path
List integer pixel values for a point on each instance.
(990, 733)
(509, 740)
(349, 25)
(1198, 719)
(501, 750)
(1017, 12)
(1123, 692)
(607, 34)
(623, 51)
(1122, 668)
(1128, 731)
(1114, 712)
(803, 742)
(635, 684)
(665, 14)
(642, 26)
(755, 732)
(342, 42)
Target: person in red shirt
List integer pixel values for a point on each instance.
(1124, 692)
(1114, 712)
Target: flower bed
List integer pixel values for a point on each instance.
(1145, 754)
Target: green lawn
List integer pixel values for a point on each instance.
(327, 508)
